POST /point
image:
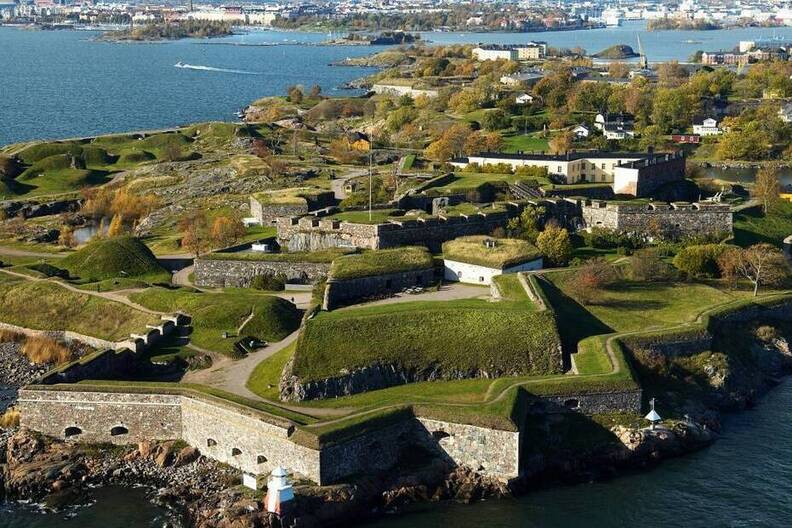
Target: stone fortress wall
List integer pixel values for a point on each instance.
(341, 292)
(245, 440)
(266, 214)
(683, 218)
(216, 273)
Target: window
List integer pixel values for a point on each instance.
(559, 169)
(236, 452)
(261, 459)
(439, 435)
(211, 442)
(603, 165)
(481, 279)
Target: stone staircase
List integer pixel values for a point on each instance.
(524, 191)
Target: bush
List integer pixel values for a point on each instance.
(45, 351)
(647, 266)
(603, 238)
(700, 260)
(10, 419)
(269, 282)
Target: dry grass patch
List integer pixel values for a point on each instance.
(10, 419)
(43, 351)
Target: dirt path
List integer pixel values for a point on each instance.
(446, 292)
(110, 296)
(182, 277)
(13, 252)
(338, 184)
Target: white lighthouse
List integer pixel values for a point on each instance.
(279, 492)
(653, 417)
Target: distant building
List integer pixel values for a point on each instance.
(581, 131)
(517, 52)
(633, 173)
(530, 78)
(686, 139)
(479, 259)
(708, 127)
(524, 99)
(615, 126)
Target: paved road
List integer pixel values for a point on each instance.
(338, 184)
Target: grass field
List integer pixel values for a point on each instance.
(380, 262)
(751, 226)
(378, 216)
(505, 253)
(214, 313)
(46, 306)
(502, 337)
(520, 142)
(266, 376)
(630, 306)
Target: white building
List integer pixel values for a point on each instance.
(478, 259)
(486, 53)
(709, 127)
(581, 131)
(524, 99)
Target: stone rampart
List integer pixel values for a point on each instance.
(491, 452)
(599, 402)
(61, 335)
(266, 213)
(101, 417)
(343, 292)
(222, 273)
(677, 218)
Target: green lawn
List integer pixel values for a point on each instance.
(502, 337)
(531, 142)
(631, 306)
(266, 376)
(214, 313)
(44, 305)
(380, 262)
(467, 181)
(751, 226)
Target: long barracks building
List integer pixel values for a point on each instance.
(634, 173)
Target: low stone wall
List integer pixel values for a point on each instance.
(211, 273)
(109, 364)
(92, 416)
(673, 344)
(341, 292)
(245, 441)
(61, 335)
(682, 219)
(599, 402)
(490, 452)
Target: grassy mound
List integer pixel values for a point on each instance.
(38, 152)
(325, 256)
(115, 257)
(46, 306)
(96, 156)
(50, 163)
(460, 336)
(381, 262)
(131, 157)
(272, 318)
(505, 253)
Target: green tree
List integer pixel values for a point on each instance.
(554, 244)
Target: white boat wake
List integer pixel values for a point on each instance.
(210, 68)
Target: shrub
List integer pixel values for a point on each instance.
(45, 351)
(700, 260)
(647, 266)
(10, 419)
(604, 238)
(269, 282)
(591, 278)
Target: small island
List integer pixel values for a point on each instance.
(618, 51)
(170, 31)
(384, 38)
(682, 24)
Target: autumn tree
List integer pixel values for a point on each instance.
(67, 238)
(767, 188)
(342, 151)
(761, 264)
(561, 142)
(554, 244)
(116, 227)
(226, 231)
(194, 227)
(618, 70)
(588, 283)
(316, 91)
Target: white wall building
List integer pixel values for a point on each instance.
(709, 127)
(456, 271)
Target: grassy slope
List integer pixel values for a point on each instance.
(115, 257)
(380, 262)
(214, 313)
(506, 253)
(47, 306)
(751, 226)
(497, 336)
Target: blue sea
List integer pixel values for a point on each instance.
(58, 84)
(64, 84)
